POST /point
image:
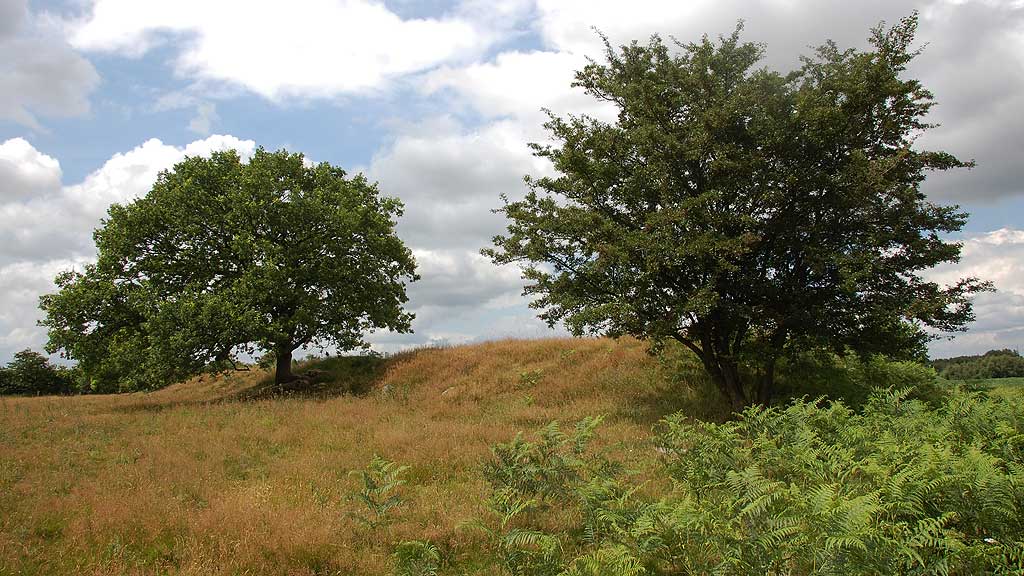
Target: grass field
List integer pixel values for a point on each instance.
(1000, 382)
(1007, 387)
(219, 476)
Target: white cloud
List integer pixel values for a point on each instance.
(309, 48)
(12, 14)
(202, 122)
(46, 228)
(461, 279)
(997, 256)
(520, 84)
(21, 284)
(25, 172)
(129, 175)
(39, 73)
(451, 178)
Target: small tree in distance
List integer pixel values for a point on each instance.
(224, 256)
(29, 372)
(744, 213)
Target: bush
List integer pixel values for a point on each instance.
(853, 379)
(416, 558)
(31, 373)
(379, 493)
(902, 487)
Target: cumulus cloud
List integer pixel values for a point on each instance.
(312, 48)
(58, 221)
(461, 279)
(202, 122)
(997, 256)
(39, 73)
(21, 284)
(12, 14)
(46, 227)
(451, 177)
(973, 62)
(25, 172)
(520, 85)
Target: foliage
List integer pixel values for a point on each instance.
(852, 378)
(32, 373)
(992, 364)
(745, 213)
(525, 477)
(521, 550)
(612, 561)
(278, 255)
(546, 469)
(416, 558)
(379, 490)
(811, 488)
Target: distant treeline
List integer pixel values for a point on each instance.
(992, 364)
(31, 374)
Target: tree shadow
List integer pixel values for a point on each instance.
(157, 406)
(324, 378)
(679, 385)
(694, 398)
(318, 379)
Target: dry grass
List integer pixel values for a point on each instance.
(213, 477)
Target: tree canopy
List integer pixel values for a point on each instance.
(29, 372)
(743, 212)
(223, 257)
(992, 364)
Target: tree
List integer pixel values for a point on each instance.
(30, 372)
(744, 213)
(224, 256)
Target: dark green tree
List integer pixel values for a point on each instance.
(744, 213)
(223, 257)
(993, 364)
(30, 372)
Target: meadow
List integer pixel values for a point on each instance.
(228, 475)
(216, 476)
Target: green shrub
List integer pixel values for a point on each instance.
(818, 489)
(31, 373)
(853, 379)
(379, 490)
(416, 558)
(546, 469)
(902, 486)
(515, 546)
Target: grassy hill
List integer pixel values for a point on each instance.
(229, 475)
(219, 476)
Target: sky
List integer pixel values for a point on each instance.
(436, 101)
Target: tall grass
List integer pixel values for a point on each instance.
(229, 475)
(214, 476)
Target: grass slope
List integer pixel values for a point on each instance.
(218, 476)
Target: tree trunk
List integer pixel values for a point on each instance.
(283, 374)
(726, 375)
(734, 386)
(766, 383)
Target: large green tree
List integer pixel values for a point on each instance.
(742, 212)
(223, 257)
